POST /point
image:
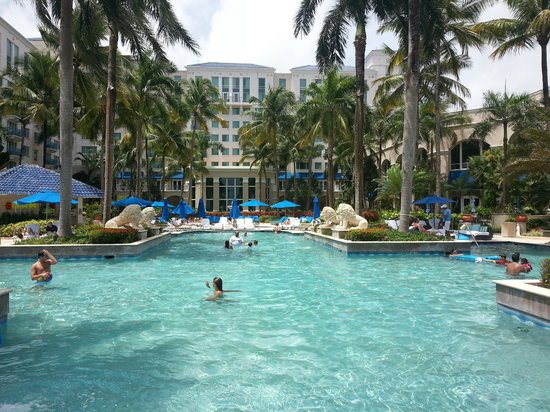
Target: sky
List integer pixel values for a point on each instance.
(261, 32)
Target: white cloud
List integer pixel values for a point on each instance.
(261, 32)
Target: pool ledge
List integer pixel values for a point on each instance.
(348, 246)
(524, 297)
(89, 251)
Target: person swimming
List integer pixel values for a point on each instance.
(227, 245)
(217, 285)
(525, 263)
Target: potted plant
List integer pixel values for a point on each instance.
(467, 214)
(521, 218)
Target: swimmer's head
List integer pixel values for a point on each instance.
(217, 283)
(255, 242)
(227, 245)
(515, 257)
(524, 260)
(502, 256)
(41, 254)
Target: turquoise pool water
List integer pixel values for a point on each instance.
(312, 329)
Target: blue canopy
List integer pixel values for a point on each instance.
(253, 203)
(42, 197)
(158, 203)
(430, 200)
(283, 204)
(131, 200)
(235, 212)
(165, 210)
(29, 179)
(183, 209)
(201, 210)
(316, 211)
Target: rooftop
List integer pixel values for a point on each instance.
(218, 65)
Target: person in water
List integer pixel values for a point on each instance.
(227, 245)
(41, 269)
(236, 240)
(253, 243)
(515, 268)
(526, 264)
(502, 260)
(217, 285)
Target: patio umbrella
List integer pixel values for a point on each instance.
(201, 210)
(42, 197)
(254, 203)
(235, 212)
(158, 203)
(183, 209)
(165, 210)
(284, 204)
(132, 200)
(433, 199)
(316, 211)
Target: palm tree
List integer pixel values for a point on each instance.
(200, 97)
(132, 22)
(272, 120)
(329, 110)
(505, 110)
(260, 156)
(530, 24)
(331, 52)
(142, 102)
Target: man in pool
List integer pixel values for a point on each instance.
(41, 269)
(515, 268)
(217, 285)
(236, 240)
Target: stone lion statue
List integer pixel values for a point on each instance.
(147, 216)
(348, 219)
(130, 216)
(328, 216)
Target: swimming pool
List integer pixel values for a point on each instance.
(311, 329)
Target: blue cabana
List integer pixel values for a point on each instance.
(42, 197)
(29, 179)
(235, 212)
(132, 200)
(201, 210)
(165, 210)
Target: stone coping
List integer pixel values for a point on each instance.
(348, 246)
(525, 285)
(87, 251)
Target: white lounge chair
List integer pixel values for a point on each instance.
(205, 224)
(240, 223)
(32, 230)
(222, 224)
(248, 223)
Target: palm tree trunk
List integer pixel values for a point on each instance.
(330, 168)
(190, 194)
(504, 162)
(437, 125)
(101, 162)
(110, 125)
(380, 158)
(148, 182)
(411, 114)
(276, 165)
(163, 174)
(22, 144)
(139, 155)
(544, 67)
(45, 137)
(360, 43)
(66, 115)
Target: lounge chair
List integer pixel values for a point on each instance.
(222, 223)
(240, 223)
(32, 230)
(393, 224)
(248, 223)
(205, 224)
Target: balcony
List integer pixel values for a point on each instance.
(52, 161)
(15, 134)
(52, 146)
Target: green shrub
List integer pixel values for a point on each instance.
(389, 214)
(362, 235)
(414, 236)
(105, 235)
(545, 273)
(538, 223)
(12, 228)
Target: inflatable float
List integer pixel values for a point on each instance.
(477, 259)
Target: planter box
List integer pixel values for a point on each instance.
(339, 233)
(524, 297)
(508, 229)
(497, 219)
(327, 231)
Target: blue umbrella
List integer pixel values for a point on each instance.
(42, 197)
(283, 204)
(254, 203)
(235, 212)
(316, 211)
(160, 204)
(201, 210)
(430, 200)
(165, 210)
(183, 209)
(132, 200)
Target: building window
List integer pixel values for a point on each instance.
(25, 151)
(35, 155)
(215, 163)
(215, 124)
(88, 150)
(225, 137)
(261, 89)
(236, 124)
(235, 152)
(12, 54)
(214, 138)
(303, 86)
(282, 83)
(230, 188)
(252, 188)
(215, 81)
(235, 137)
(246, 110)
(235, 111)
(225, 163)
(318, 166)
(302, 165)
(225, 151)
(36, 138)
(225, 88)
(117, 137)
(177, 78)
(245, 123)
(235, 163)
(176, 184)
(236, 90)
(246, 89)
(209, 193)
(246, 163)
(214, 151)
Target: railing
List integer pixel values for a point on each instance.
(14, 151)
(51, 161)
(13, 131)
(459, 166)
(52, 145)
